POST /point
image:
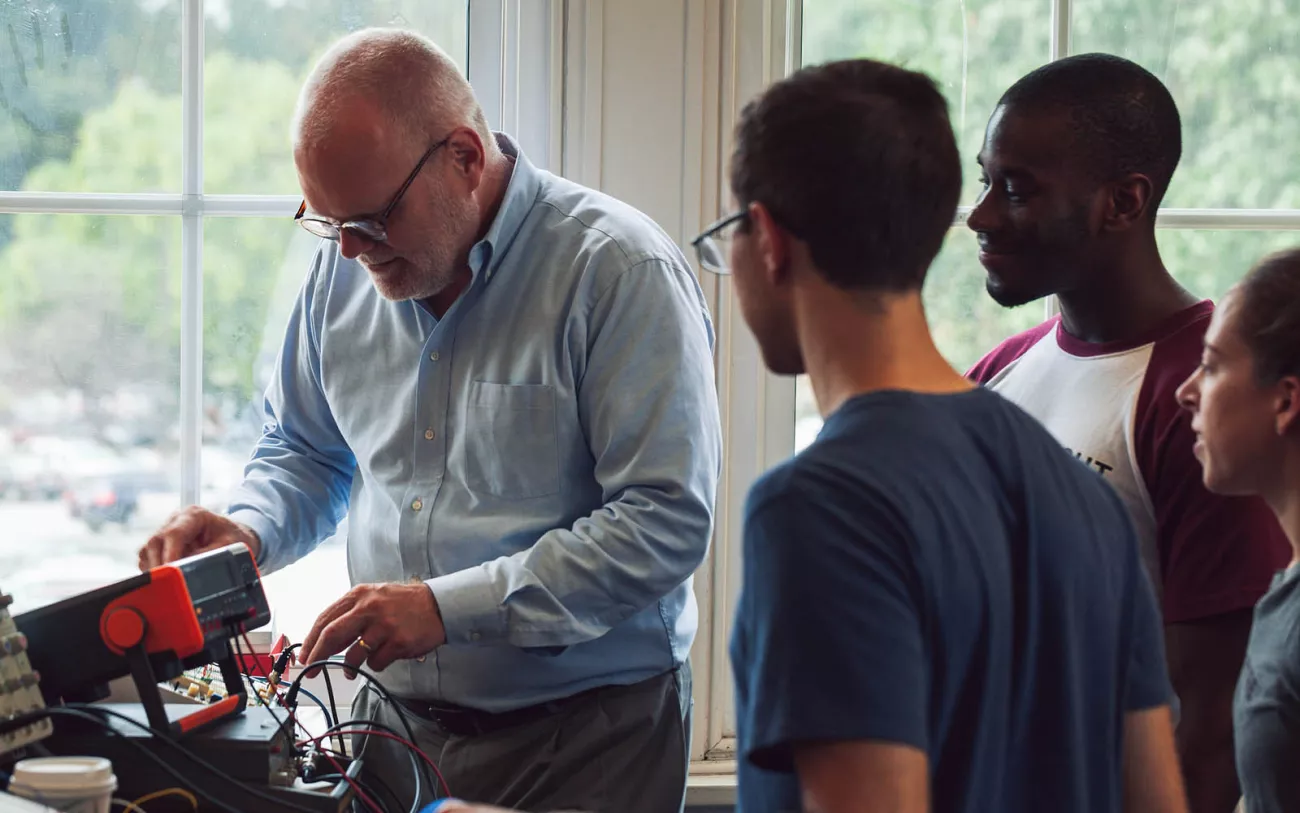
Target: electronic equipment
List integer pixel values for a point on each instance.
(19, 689)
(167, 635)
(255, 748)
(152, 627)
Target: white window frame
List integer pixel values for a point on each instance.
(540, 69)
(621, 60)
(510, 65)
(759, 407)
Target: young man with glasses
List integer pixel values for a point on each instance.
(942, 611)
(505, 381)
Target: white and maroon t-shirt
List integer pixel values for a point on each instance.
(1113, 406)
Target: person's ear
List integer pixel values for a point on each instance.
(1288, 405)
(1129, 202)
(773, 243)
(468, 155)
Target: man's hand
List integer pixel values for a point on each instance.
(377, 624)
(195, 530)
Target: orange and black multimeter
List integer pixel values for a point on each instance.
(152, 627)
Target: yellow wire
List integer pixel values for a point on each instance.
(158, 794)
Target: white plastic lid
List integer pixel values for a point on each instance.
(54, 774)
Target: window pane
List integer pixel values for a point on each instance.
(259, 52)
(89, 96)
(1209, 262)
(965, 322)
(975, 50)
(253, 269)
(89, 376)
(1231, 66)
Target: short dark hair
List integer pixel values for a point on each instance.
(1122, 118)
(857, 159)
(1269, 317)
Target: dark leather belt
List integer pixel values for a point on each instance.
(466, 722)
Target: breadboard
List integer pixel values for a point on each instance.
(20, 691)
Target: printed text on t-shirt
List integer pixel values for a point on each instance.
(1102, 468)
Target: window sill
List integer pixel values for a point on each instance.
(711, 784)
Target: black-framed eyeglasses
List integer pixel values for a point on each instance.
(713, 245)
(372, 228)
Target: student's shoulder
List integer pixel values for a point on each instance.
(808, 516)
(787, 483)
(1006, 353)
(854, 458)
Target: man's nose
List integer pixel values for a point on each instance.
(352, 244)
(981, 217)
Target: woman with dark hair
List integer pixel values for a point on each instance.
(1245, 405)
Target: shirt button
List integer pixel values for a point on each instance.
(433, 356)
(473, 636)
(417, 505)
(428, 434)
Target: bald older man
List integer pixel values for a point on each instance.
(505, 381)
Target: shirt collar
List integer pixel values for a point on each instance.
(525, 182)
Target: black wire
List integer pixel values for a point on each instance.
(379, 801)
(368, 788)
(334, 709)
(359, 788)
(234, 640)
(410, 752)
(373, 681)
(329, 721)
(79, 711)
(195, 758)
(293, 713)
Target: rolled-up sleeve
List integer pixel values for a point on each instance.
(648, 406)
(295, 488)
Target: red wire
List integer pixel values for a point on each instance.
(384, 734)
(370, 803)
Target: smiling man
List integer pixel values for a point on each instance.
(505, 381)
(1076, 159)
(940, 610)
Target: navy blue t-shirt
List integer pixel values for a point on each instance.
(936, 571)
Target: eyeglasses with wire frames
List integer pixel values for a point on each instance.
(713, 245)
(372, 228)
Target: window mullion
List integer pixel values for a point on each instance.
(1061, 28)
(191, 360)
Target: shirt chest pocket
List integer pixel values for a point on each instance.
(511, 448)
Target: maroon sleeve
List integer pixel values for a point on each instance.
(1000, 357)
(1217, 554)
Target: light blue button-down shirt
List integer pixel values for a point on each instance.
(545, 457)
